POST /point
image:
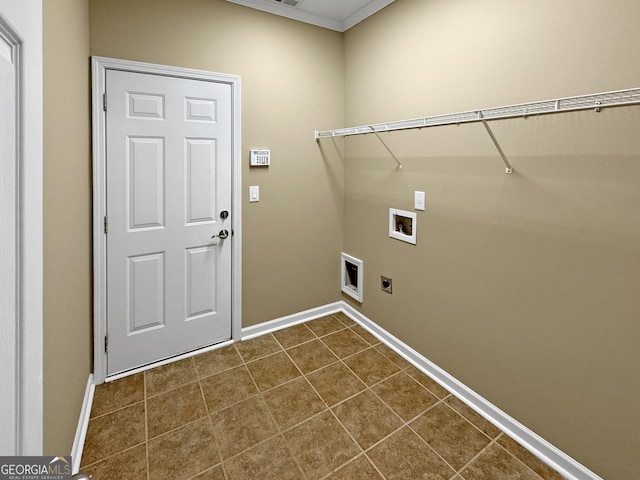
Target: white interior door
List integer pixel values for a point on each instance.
(168, 192)
(21, 227)
(8, 248)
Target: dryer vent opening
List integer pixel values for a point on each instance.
(351, 273)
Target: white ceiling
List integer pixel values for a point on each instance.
(337, 15)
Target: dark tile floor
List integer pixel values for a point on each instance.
(320, 400)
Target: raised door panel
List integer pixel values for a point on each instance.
(145, 183)
(145, 292)
(200, 161)
(147, 106)
(200, 109)
(200, 281)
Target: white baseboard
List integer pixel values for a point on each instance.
(290, 320)
(83, 424)
(545, 451)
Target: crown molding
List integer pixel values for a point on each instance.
(294, 13)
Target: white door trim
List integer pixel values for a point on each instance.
(10, 237)
(99, 66)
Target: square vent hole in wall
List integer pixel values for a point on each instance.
(352, 279)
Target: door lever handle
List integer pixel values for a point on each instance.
(222, 234)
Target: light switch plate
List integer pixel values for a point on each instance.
(254, 193)
(418, 200)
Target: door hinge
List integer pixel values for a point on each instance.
(106, 344)
(106, 225)
(104, 102)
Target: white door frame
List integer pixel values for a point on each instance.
(99, 66)
(21, 26)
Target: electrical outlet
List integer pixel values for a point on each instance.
(385, 284)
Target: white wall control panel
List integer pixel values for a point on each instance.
(260, 158)
(254, 193)
(418, 200)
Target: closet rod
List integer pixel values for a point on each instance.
(594, 101)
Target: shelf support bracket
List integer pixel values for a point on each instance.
(509, 168)
(387, 147)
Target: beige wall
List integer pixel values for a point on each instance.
(292, 84)
(67, 220)
(523, 286)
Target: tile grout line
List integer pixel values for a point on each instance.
(455, 470)
(208, 415)
(175, 429)
(442, 401)
(215, 434)
(479, 454)
(328, 408)
(370, 389)
(112, 456)
(209, 469)
(281, 431)
(328, 475)
(329, 332)
(497, 444)
(493, 441)
(477, 427)
(273, 420)
(259, 392)
(514, 456)
(244, 364)
(403, 422)
(314, 337)
(117, 409)
(377, 469)
(468, 420)
(171, 390)
(438, 400)
(146, 425)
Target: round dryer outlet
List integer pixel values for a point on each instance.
(385, 284)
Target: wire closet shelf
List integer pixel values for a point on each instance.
(595, 101)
